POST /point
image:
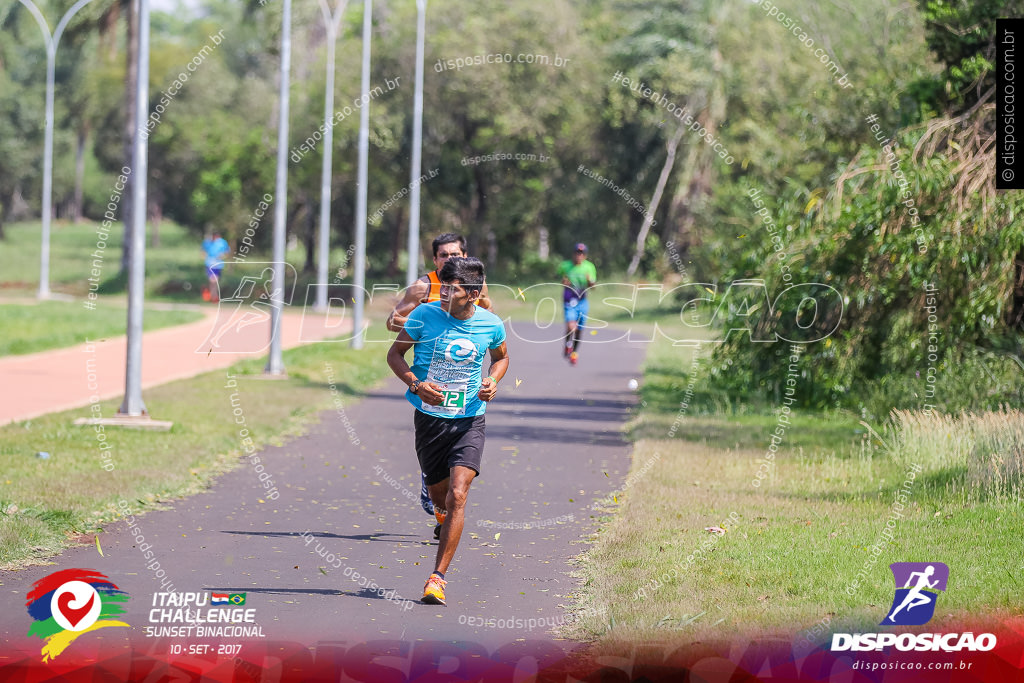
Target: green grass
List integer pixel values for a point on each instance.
(45, 505)
(795, 542)
(174, 269)
(28, 328)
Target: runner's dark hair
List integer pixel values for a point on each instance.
(448, 238)
(468, 271)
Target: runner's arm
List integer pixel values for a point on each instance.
(485, 301)
(499, 366)
(591, 281)
(414, 296)
(398, 365)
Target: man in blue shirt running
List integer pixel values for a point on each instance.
(451, 338)
(214, 251)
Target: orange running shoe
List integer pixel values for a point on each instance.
(439, 515)
(433, 590)
(574, 358)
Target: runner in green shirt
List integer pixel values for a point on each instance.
(578, 275)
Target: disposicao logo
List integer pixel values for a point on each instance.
(917, 589)
(71, 603)
(914, 603)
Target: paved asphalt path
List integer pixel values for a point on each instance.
(554, 447)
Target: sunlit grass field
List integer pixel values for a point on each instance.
(791, 555)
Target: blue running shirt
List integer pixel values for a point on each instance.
(450, 353)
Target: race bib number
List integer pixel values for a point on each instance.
(454, 399)
(453, 403)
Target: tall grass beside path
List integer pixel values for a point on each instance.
(970, 455)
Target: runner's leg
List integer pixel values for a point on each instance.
(215, 284)
(451, 493)
(425, 502)
(570, 329)
(581, 320)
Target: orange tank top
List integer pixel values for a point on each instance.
(434, 292)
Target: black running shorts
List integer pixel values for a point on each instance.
(442, 443)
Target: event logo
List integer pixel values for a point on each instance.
(460, 351)
(914, 603)
(70, 603)
(227, 598)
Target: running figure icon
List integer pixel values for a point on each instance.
(916, 597)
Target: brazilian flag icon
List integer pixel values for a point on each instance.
(236, 598)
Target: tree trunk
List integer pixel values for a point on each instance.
(396, 243)
(680, 211)
(698, 172)
(76, 204)
(666, 170)
(130, 79)
(480, 230)
(156, 215)
(1015, 312)
(309, 238)
(492, 247)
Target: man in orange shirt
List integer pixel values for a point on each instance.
(428, 288)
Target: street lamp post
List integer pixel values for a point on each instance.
(332, 21)
(51, 63)
(132, 406)
(275, 363)
(364, 148)
(412, 270)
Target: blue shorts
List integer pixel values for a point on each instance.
(214, 271)
(576, 312)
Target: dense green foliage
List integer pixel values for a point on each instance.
(914, 211)
(744, 101)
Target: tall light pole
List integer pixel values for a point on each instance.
(51, 64)
(332, 22)
(132, 406)
(412, 270)
(364, 150)
(275, 363)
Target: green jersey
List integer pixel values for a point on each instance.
(579, 276)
